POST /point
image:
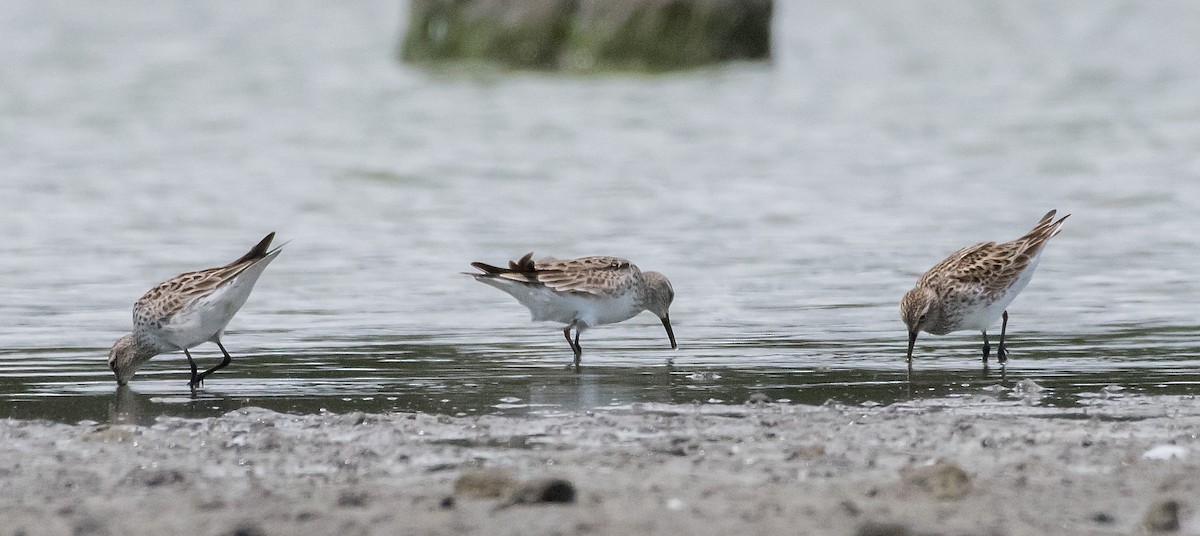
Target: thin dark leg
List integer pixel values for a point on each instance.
(1001, 352)
(195, 381)
(567, 334)
(224, 362)
(578, 349)
(987, 348)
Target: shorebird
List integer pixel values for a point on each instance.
(582, 293)
(187, 310)
(972, 288)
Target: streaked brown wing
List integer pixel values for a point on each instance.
(593, 275)
(171, 296)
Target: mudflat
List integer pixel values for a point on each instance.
(1003, 465)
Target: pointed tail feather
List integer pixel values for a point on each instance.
(487, 269)
(524, 266)
(257, 252)
(1058, 226)
(523, 270)
(1045, 229)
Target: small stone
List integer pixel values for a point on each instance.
(943, 480)
(806, 452)
(246, 529)
(352, 499)
(1103, 518)
(677, 446)
(353, 418)
(484, 483)
(155, 477)
(1165, 452)
(758, 399)
(1162, 516)
(109, 434)
(872, 528)
(545, 490)
(850, 508)
(1028, 386)
(90, 526)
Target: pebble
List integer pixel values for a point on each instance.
(806, 452)
(1162, 516)
(758, 399)
(246, 529)
(943, 480)
(109, 434)
(155, 477)
(490, 483)
(352, 499)
(1165, 452)
(873, 528)
(353, 418)
(544, 490)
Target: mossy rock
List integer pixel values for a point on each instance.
(586, 35)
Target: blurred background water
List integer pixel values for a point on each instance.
(791, 203)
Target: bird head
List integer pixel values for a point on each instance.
(917, 310)
(658, 300)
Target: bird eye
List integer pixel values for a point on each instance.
(922, 319)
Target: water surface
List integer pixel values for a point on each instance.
(791, 203)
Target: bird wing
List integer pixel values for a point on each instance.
(995, 266)
(592, 275)
(585, 275)
(168, 298)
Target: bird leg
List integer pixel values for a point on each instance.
(1001, 352)
(575, 348)
(567, 334)
(195, 381)
(224, 362)
(578, 348)
(987, 349)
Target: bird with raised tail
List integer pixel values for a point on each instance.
(582, 293)
(187, 310)
(973, 288)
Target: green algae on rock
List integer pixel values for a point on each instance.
(588, 35)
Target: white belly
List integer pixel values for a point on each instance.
(548, 305)
(985, 317)
(204, 319)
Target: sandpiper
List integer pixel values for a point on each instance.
(187, 310)
(972, 288)
(582, 293)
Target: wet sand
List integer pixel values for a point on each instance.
(998, 465)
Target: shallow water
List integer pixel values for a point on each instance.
(791, 203)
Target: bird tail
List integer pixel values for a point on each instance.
(520, 270)
(259, 251)
(1046, 228)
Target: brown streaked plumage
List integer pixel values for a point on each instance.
(973, 287)
(187, 310)
(583, 292)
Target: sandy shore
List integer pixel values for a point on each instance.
(981, 466)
